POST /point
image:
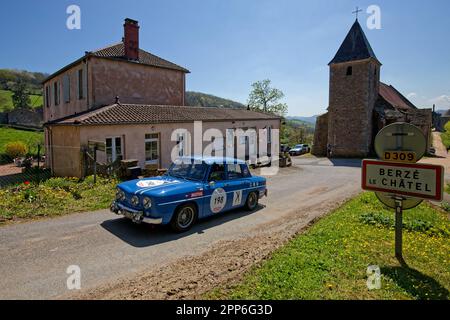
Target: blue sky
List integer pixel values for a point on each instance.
(229, 44)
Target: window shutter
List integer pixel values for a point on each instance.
(66, 88)
(85, 81)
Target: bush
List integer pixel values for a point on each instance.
(16, 149)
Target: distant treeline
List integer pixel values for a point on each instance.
(198, 99)
(10, 77)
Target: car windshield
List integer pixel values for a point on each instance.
(299, 146)
(188, 170)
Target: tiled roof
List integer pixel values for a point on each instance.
(395, 98)
(117, 51)
(355, 46)
(143, 114)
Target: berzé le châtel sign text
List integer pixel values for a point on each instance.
(414, 180)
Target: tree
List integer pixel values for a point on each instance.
(265, 98)
(20, 97)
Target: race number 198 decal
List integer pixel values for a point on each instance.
(218, 200)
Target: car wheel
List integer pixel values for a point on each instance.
(252, 201)
(184, 218)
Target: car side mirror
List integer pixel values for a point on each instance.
(211, 183)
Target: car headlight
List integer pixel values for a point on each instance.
(135, 201)
(120, 195)
(147, 202)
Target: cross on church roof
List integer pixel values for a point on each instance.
(358, 10)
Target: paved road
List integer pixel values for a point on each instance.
(35, 255)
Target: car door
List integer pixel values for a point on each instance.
(216, 198)
(235, 186)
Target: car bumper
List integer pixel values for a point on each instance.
(263, 193)
(135, 215)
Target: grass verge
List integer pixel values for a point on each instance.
(30, 138)
(330, 260)
(54, 197)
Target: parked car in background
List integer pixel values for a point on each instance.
(306, 148)
(193, 188)
(300, 149)
(284, 148)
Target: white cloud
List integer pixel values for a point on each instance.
(441, 101)
(411, 95)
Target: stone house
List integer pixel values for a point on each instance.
(133, 101)
(359, 103)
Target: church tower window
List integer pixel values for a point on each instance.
(349, 71)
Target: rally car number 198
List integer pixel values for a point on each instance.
(193, 188)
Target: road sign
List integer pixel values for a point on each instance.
(400, 156)
(424, 181)
(404, 138)
(388, 199)
(398, 181)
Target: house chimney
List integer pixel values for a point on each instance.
(131, 39)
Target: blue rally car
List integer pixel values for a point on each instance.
(193, 188)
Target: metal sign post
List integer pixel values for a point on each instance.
(398, 181)
(398, 228)
(95, 164)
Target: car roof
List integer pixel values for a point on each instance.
(211, 160)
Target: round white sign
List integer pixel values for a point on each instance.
(400, 137)
(389, 201)
(218, 200)
(149, 183)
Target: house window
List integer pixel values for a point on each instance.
(349, 71)
(66, 88)
(229, 142)
(80, 84)
(151, 148)
(234, 171)
(113, 149)
(47, 96)
(56, 93)
(181, 142)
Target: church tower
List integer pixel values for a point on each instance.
(354, 87)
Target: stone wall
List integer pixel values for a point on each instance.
(26, 117)
(3, 117)
(421, 118)
(321, 136)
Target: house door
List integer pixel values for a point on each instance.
(152, 148)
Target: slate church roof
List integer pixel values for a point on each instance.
(355, 46)
(395, 98)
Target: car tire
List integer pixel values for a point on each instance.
(184, 218)
(252, 201)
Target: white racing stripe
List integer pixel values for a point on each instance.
(141, 191)
(189, 199)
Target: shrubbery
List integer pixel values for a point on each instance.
(445, 136)
(16, 149)
(56, 196)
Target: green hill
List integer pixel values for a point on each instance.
(6, 103)
(9, 77)
(198, 99)
(8, 80)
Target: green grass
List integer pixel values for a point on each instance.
(330, 260)
(7, 105)
(30, 138)
(55, 197)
